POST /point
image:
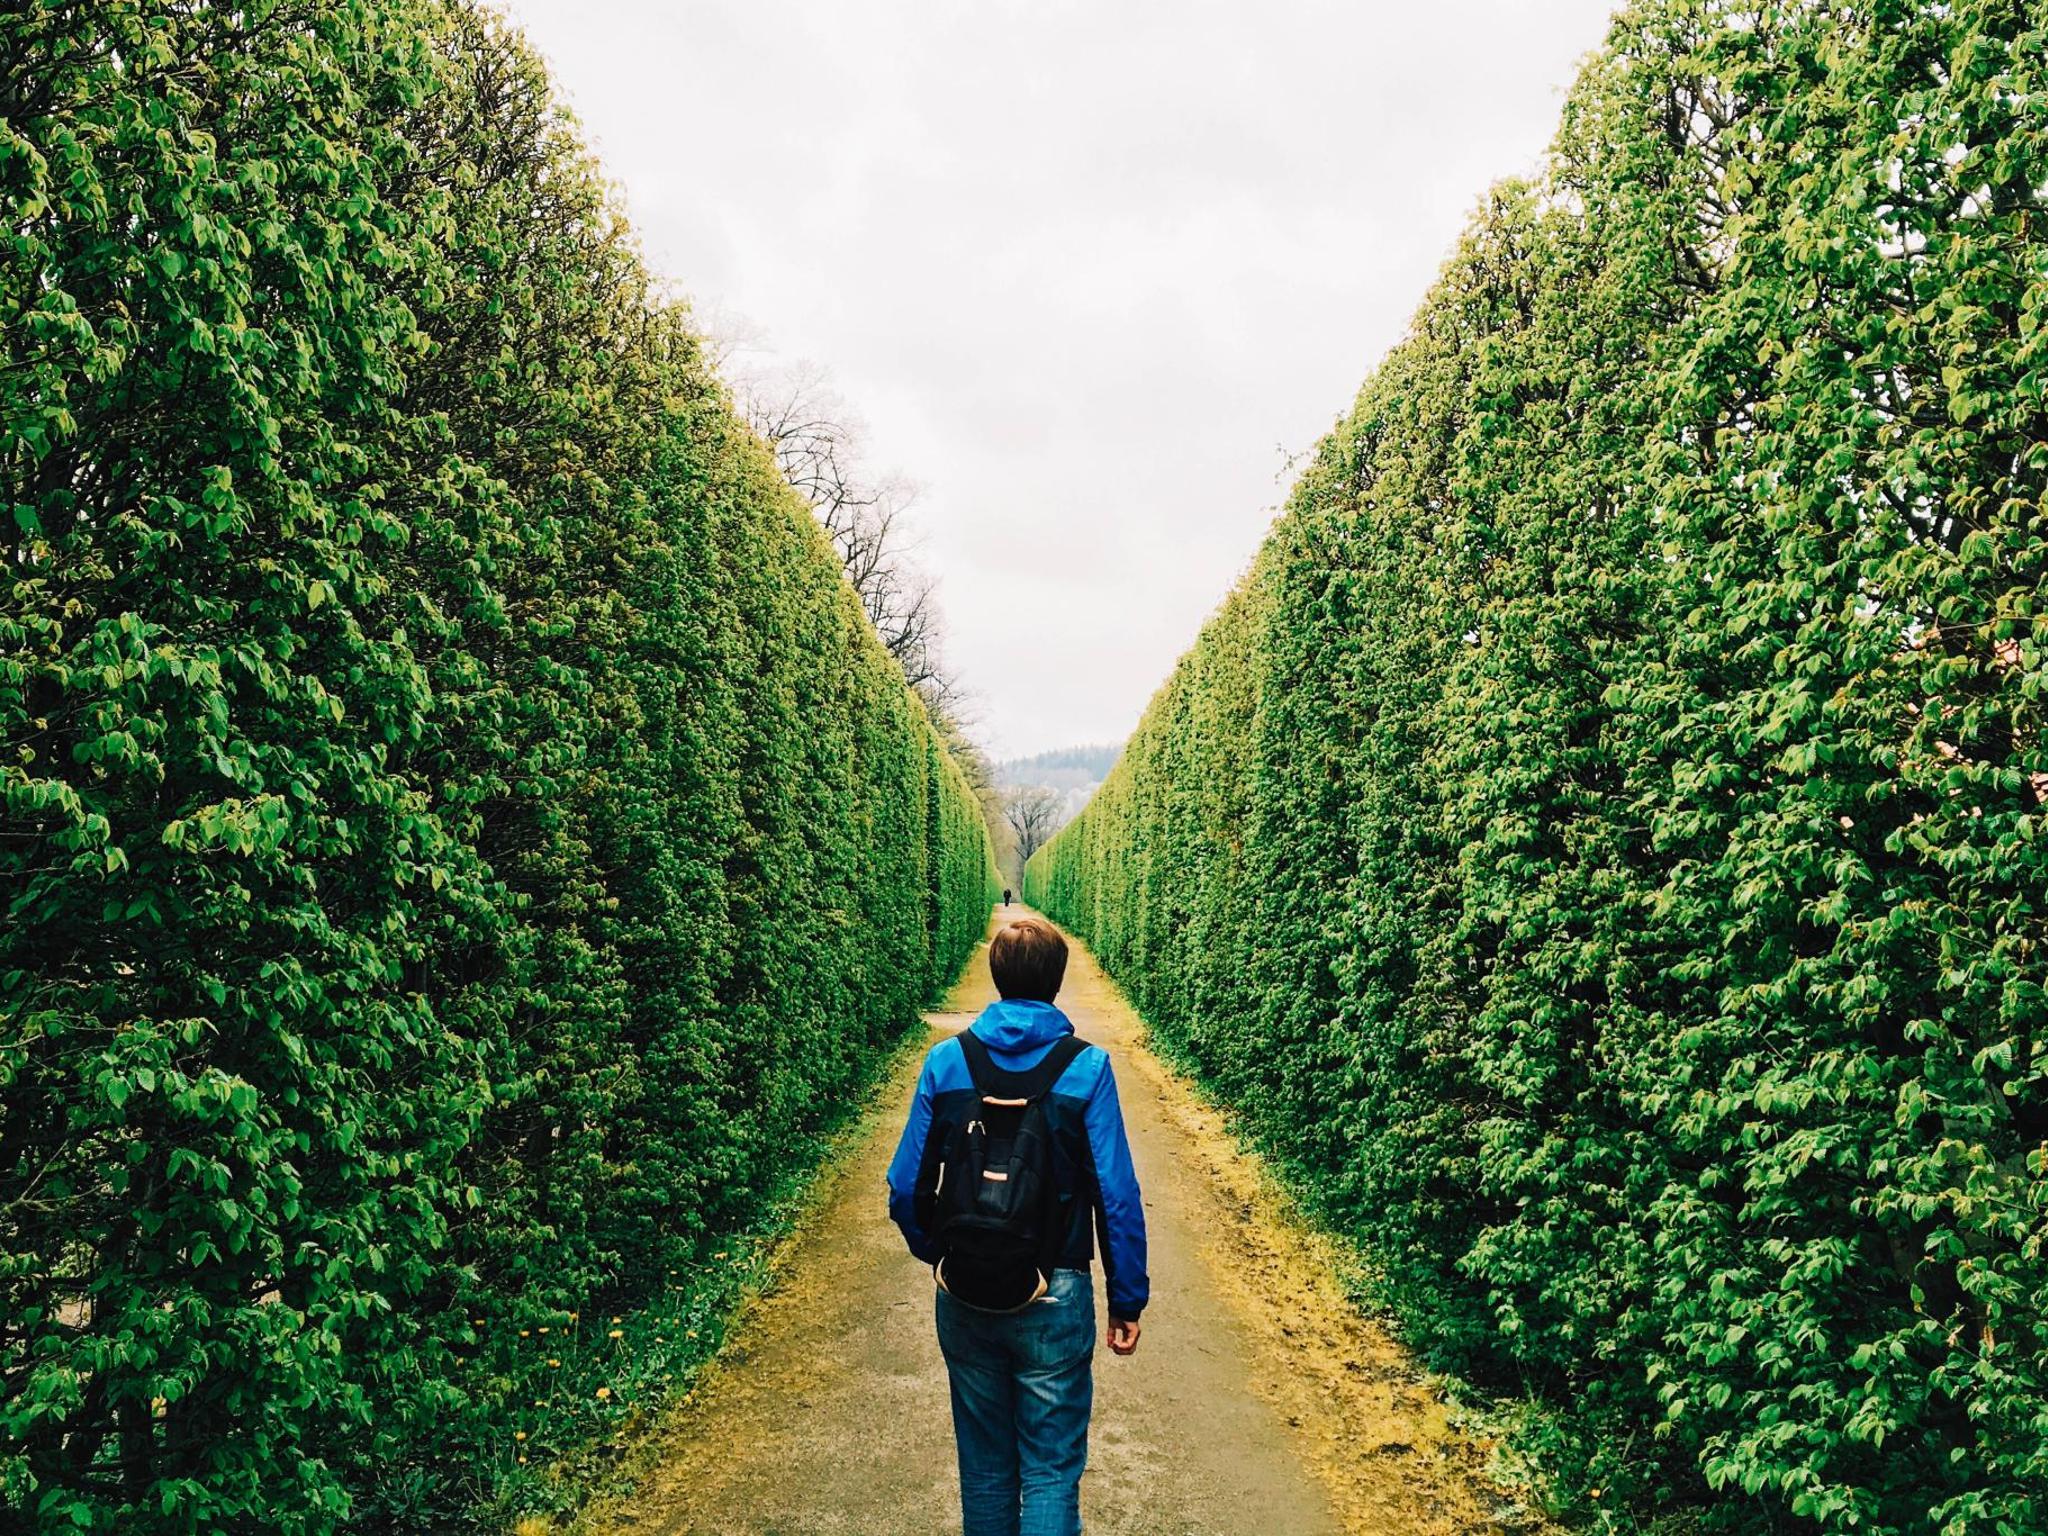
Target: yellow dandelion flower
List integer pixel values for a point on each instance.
(553, 1363)
(618, 1333)
(526, 1333)
(520, 1436)
(603, 1393)
(693, 1333)
(522, 1461)
(618, 1320)
(543, 1331)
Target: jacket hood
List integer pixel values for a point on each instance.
(1011, 1026)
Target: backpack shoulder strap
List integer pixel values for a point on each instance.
(1034, 1082)
(1049, 1067)
(981, 1066)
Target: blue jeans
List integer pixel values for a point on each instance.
(1022, 1387)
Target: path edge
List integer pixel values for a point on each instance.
(606, 1493)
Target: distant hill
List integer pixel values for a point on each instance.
(1068, 768)
(1074, 773)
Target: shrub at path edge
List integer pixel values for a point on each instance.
(1598, 846)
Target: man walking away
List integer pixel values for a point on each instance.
(1013, 1159)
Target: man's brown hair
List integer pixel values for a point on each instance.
(1028, 959)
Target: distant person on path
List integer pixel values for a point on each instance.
(1006, 895)
(1013, 1158)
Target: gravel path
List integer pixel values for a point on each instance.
(1259, 1402)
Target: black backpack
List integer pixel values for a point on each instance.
(988, 1192)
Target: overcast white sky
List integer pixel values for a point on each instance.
(1087, 271)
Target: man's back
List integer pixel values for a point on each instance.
(1021, 1378)
(1092, 1157)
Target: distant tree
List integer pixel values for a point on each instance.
(816, 441)
(1034, 812)
(951, 719)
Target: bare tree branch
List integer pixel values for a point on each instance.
(816, 442)
(1034, 813)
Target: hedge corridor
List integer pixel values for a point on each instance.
(462, 842)
(1598, 848)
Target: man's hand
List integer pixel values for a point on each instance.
(1123, 1335)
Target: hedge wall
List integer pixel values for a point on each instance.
(461, 834)
(1599, 847)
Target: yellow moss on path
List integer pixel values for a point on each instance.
(1260, 1401)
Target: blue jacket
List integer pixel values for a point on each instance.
(1092, 1155)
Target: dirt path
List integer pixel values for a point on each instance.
(1258, 1402)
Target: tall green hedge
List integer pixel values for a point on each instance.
(1600, 847)
(461, 834)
